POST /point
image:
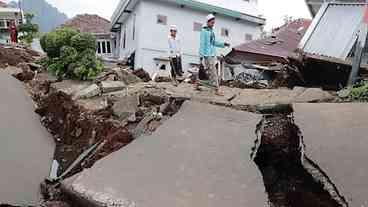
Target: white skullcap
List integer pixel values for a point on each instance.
(173, 28)
(210, 17)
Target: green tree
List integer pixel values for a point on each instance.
(71, 54)
(28, 31)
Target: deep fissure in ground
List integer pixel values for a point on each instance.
(290, 178)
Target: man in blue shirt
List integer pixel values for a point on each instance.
(207, 51)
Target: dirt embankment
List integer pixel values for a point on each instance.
(13, 55)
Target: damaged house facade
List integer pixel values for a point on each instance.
(329, 46)
(137, 21)
(99, 27)
(7, 15)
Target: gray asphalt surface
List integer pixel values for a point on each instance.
(199, 158)
(26, 148)
(336, 139)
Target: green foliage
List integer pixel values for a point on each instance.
(359, 92)
(84, 41)
(71, 54)
(52, 42)
(28, 30)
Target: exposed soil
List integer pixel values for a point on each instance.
(15, 55)
(279, 159)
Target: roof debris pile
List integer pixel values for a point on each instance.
(268, 56)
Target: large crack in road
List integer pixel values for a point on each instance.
(291, 179)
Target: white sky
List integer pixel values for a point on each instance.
(274, 11)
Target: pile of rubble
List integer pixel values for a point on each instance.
(12, 55)
(105, 114)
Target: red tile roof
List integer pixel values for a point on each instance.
(281, 44)
(3, 4)
(90, 23)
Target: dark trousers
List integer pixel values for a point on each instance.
(176, 67)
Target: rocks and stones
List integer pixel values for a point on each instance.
(76, 125)
(126, 107)
(69, 87)
(314, 95)
(111, 86)
(128, 77)
(26, 148)
(335, 139)
(89, 92)
(184, 163)
(142, 74)
(26, 75)
(34, 66)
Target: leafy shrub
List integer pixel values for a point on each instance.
(52, 42)
(359, 92)
(83, 41)
(71, 54)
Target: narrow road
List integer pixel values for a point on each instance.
(26, 148)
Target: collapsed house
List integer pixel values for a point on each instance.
(259, 61)
(328, 48)
(99, 27)
(274, 48)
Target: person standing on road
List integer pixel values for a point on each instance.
(207, 51)
(175, 54)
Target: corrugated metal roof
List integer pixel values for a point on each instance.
(334, 30)
(281, 44)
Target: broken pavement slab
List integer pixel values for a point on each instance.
(26, 148)
(188, 161)
(112, 86)
(335, 138)
(89, 92)
(69, 87)
(126, 107)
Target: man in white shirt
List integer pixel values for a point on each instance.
(175, 54)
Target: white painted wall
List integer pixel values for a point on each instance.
(152, 37)
(243, 6)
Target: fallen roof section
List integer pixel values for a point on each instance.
(188, 161)
(335, 138)
(334, 30)
(277, 47)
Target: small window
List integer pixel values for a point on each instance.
(2, 23)
(108, 46)
(124, 39)
(225, 32)
(8, 22)
(161, 19)
(197, 27)
(248, 37)
(98, 47)
(103, 47)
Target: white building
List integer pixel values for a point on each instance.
(7, 15)
(142, 27)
